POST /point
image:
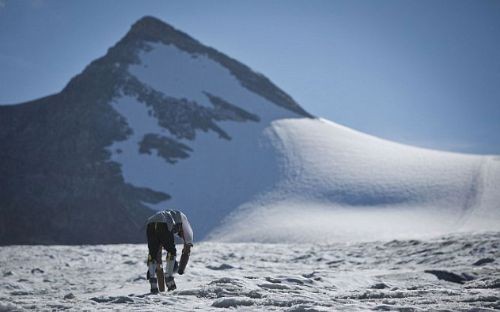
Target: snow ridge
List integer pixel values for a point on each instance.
(339, 184)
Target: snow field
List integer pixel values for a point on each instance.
(452, 272)
(337, 184)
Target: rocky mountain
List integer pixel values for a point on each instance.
(163, 121)
(59, 183)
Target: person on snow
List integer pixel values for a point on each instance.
(160, 231)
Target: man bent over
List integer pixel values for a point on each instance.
(160, 233)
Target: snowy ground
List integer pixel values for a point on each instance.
(388, 275)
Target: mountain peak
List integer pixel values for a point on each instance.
(150, 28)
(149, 21)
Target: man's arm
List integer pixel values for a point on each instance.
(186, 251)
(187, 236)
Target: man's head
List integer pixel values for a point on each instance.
(180, 232)
(182, 227)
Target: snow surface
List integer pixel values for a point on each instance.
(290, 179)
(339, 184)
(398, 275)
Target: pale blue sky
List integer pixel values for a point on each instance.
(421, 72)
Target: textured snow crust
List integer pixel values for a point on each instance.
(449, 273)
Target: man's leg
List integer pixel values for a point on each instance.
(167, 240)
(153, 248)
(159, 272)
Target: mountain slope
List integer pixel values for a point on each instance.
(339, 184)
(59, 183)
(162, 121)
(277, 166)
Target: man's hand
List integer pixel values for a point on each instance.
(169, 281)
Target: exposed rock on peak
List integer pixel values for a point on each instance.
(151, 29)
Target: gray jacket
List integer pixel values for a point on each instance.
(175, 221)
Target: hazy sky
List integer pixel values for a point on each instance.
(421, 72)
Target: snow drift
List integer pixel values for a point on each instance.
(340, 184)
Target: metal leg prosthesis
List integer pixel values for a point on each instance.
(161, 279)
(153, 281)
(169, 271)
